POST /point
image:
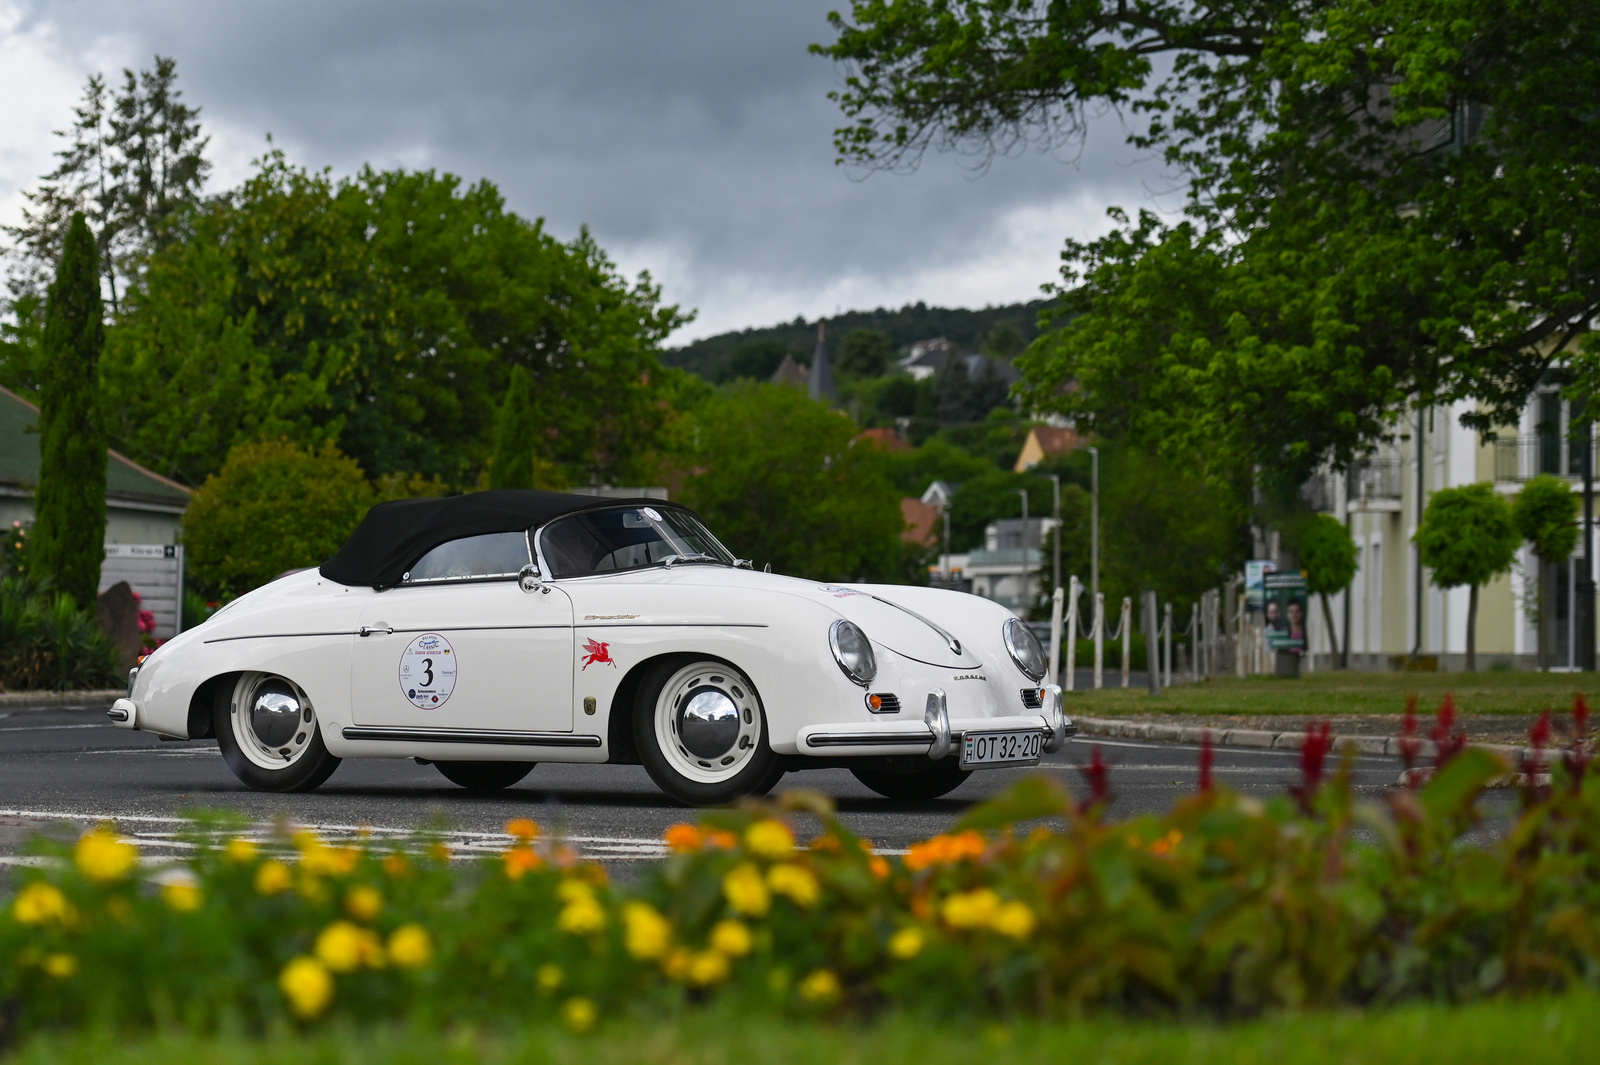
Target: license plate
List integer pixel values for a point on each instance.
(979, 749)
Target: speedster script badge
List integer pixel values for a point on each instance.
(428, 671)
(597, 653)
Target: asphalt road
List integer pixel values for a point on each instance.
(61, 768)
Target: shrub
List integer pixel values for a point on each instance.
(48, 643)
(273, 507)
(14, 550)
(1225, 906)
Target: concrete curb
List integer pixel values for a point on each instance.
(1240, 737)
(91, 700)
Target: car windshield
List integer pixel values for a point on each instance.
(607, 541)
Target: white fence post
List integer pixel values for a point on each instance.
(1166, 629)
(1075, 589)
(1055, 633)
(1127, 638)
(1099, 639)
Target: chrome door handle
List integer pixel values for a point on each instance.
(379, 627)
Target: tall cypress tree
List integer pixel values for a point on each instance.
(70, 505)
(514, 438)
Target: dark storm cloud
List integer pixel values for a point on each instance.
(694, 137)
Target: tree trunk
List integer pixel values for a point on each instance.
(1333, 634)
(1472, 629)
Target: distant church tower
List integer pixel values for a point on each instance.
(821, 369)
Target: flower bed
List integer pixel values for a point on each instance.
(1036, 904)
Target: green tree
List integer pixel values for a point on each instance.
(273, 506)
(1386, 200)
(1467, 536)
(779, 479)
(1546, 513)
(756, 359)
(70, 502)
(865, 353)
(516, 436)
(1328, 556)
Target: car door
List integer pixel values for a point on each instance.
(459, 645)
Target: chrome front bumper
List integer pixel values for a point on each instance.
(936, 735)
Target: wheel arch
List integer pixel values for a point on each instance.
(202, 724)
(624, 750)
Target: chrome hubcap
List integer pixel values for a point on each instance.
(273, 721)
(708, 719)
(275, 713)
(708, 723)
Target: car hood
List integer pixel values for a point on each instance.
(926, 634)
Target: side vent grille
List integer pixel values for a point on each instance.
(1033, 698)
(883, 703)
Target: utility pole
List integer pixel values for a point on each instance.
(1094, 521)
(1055, 568)
(1027, 574)
(1586, 604)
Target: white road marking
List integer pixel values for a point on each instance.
(52, 728)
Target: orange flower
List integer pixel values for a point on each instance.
(681, 837)
(946, 850)
(879, 866)
(520, 860)
(521, 828)
(396, 864)
(719, 838)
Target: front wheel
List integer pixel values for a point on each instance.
(267, 730)
(939, 778)
(484, 776)
(701, 733)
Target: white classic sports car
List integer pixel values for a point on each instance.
(484, 633)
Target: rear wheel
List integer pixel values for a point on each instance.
(939, 778)
(484, 776)
(267, 730)
(701, 733)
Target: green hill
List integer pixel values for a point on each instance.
(970, 330)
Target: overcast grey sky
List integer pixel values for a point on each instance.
(692, 137)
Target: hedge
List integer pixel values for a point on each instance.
(1035, 904)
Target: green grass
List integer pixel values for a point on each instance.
(1547, 1030)
(1332, 694)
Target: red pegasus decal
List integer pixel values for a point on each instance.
(594, 652)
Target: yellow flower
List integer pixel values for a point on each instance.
(579, 1014)
(550, 977)
(1014, 919)
(239, 851)
(820, 986)
(676, 964)
(42, 904)
(768, 838)
(439, 852)
(363, 902)
(308, 986)
(60, 966)
(182, 896)
(971, 909)
(708, 967)
(732, 938)
(272, 877)
(746, 892)
(102, 856)
(521, 828)
(582, 914)
(795, 881)
(344, 947)
(647, 934)
(410, 947)
(906, 943)
(319, 859)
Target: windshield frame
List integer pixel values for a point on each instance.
(670, 535)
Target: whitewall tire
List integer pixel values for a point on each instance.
(267, 730)
(702, 734)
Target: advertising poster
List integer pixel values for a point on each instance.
(1254, 589)
(1284, 600)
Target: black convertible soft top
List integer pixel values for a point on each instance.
(393, 535)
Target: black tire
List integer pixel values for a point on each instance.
(484, 776)
(940, 778)
(308, 762)
(755, 767)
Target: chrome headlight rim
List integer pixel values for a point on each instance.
(846, 632)
(1022, 645)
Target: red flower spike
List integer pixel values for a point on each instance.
(1538, 740)
(1097, 775)
(1207, 756)
(1580, 716)
(1410, 746)
(1448, 739)
(1539, 735)
(1313, 760)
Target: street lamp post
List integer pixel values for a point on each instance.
(1055, 512)
(1094, 521)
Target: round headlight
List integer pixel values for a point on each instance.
(853, 651)
(1025, 649)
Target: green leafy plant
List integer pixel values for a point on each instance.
(1328, 555)
(1467, 536)
(1546, 513)
(47, 642)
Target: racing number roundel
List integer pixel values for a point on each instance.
(428, 671)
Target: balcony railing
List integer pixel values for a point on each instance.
(1528, 455)
(1369, 481)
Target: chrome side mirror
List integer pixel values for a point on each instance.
(529, 580)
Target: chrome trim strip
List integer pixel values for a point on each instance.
(671, 625)
(867, 739)
(955, 644)
(446, 735)
(280, 635)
